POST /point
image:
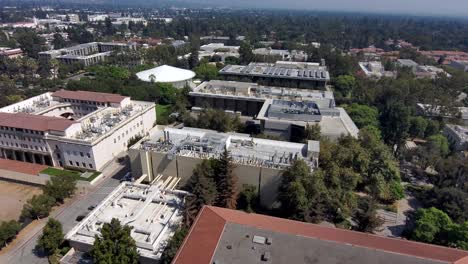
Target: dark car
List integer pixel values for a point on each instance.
(91, 207)
(80, 217)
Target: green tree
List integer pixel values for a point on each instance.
(418, 126)
(202, 186)
(345, 84)
(292, 193)
(173, 245)
(245, 52)
(206, 71)
(37, 207)
(52, 237)
(248, 198)
(365, 216)
(58, 42)
(114, 245)
(429, 224)
(226, 181)
(395, 123)
(8, 231)
(60, 187)
(363, 115)
(312, 132)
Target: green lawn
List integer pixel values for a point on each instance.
(162, 111)
(76, 174)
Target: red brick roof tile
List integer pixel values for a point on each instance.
(199, 245)
(89, 96)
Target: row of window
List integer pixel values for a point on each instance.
(26, 146)
(83, 102)
(126, 132)
(22, 138)
(29, 131)
(77, 164)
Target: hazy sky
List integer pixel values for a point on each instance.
(445, 7)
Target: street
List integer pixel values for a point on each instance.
(24, 253)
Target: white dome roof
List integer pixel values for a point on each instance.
(165, 74)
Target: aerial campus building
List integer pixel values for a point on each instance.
(153, 211)
(305, 75)
(179, 78)
(258, 162)
(74, 129)
(221, 235)
(283, 112)
(86, 54)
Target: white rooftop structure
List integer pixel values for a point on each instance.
(457, 135)
(375, 69)
(202, 143)
(154, 211)
(213, 47)
(167, 74)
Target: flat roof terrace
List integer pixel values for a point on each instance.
(252, 91)
(201, 143)
(300, 71)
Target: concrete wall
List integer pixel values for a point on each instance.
(266, 180)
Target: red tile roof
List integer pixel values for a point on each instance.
(200, 244)
(34, 122)
(22, 167)
(89, 96)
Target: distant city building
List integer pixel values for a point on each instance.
(258, 162)
(153, 211)
(447, 56)
(304, 75)
(11, 53)
(97, 18)
(283, 55)
(459, 64)
(213, 47)
(375, 69)
(73, 129)
(86, 54)
(457, 136)
(283, 112)
(179, 78)
(447, 113)
(126, 20)
(178, 43)
(421, 71)
(221, 235)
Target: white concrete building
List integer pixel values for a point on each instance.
(154, 211)
(375, 69)
(457, 136)
(179, 78)
(74, 129)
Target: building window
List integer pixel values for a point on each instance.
(115, 140)
(71, 162)
(58, 156)
(77, 163)
(84, 164)
(90, 165)
(81, 154)
(89, 155)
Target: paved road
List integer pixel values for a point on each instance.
(25, 253)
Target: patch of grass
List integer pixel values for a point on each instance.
(162, 114)
(75, 174)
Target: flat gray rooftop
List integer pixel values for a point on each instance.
(286, 70)
(152, 210)
(244, 90)
(240, 244)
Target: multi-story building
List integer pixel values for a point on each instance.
(283, 111)
(421, 71)
(457, 136)
(375, 69)
(221, 235)
(153, 212)
(86, 54)
(303, 75)
(74, 129)
(258, 162)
